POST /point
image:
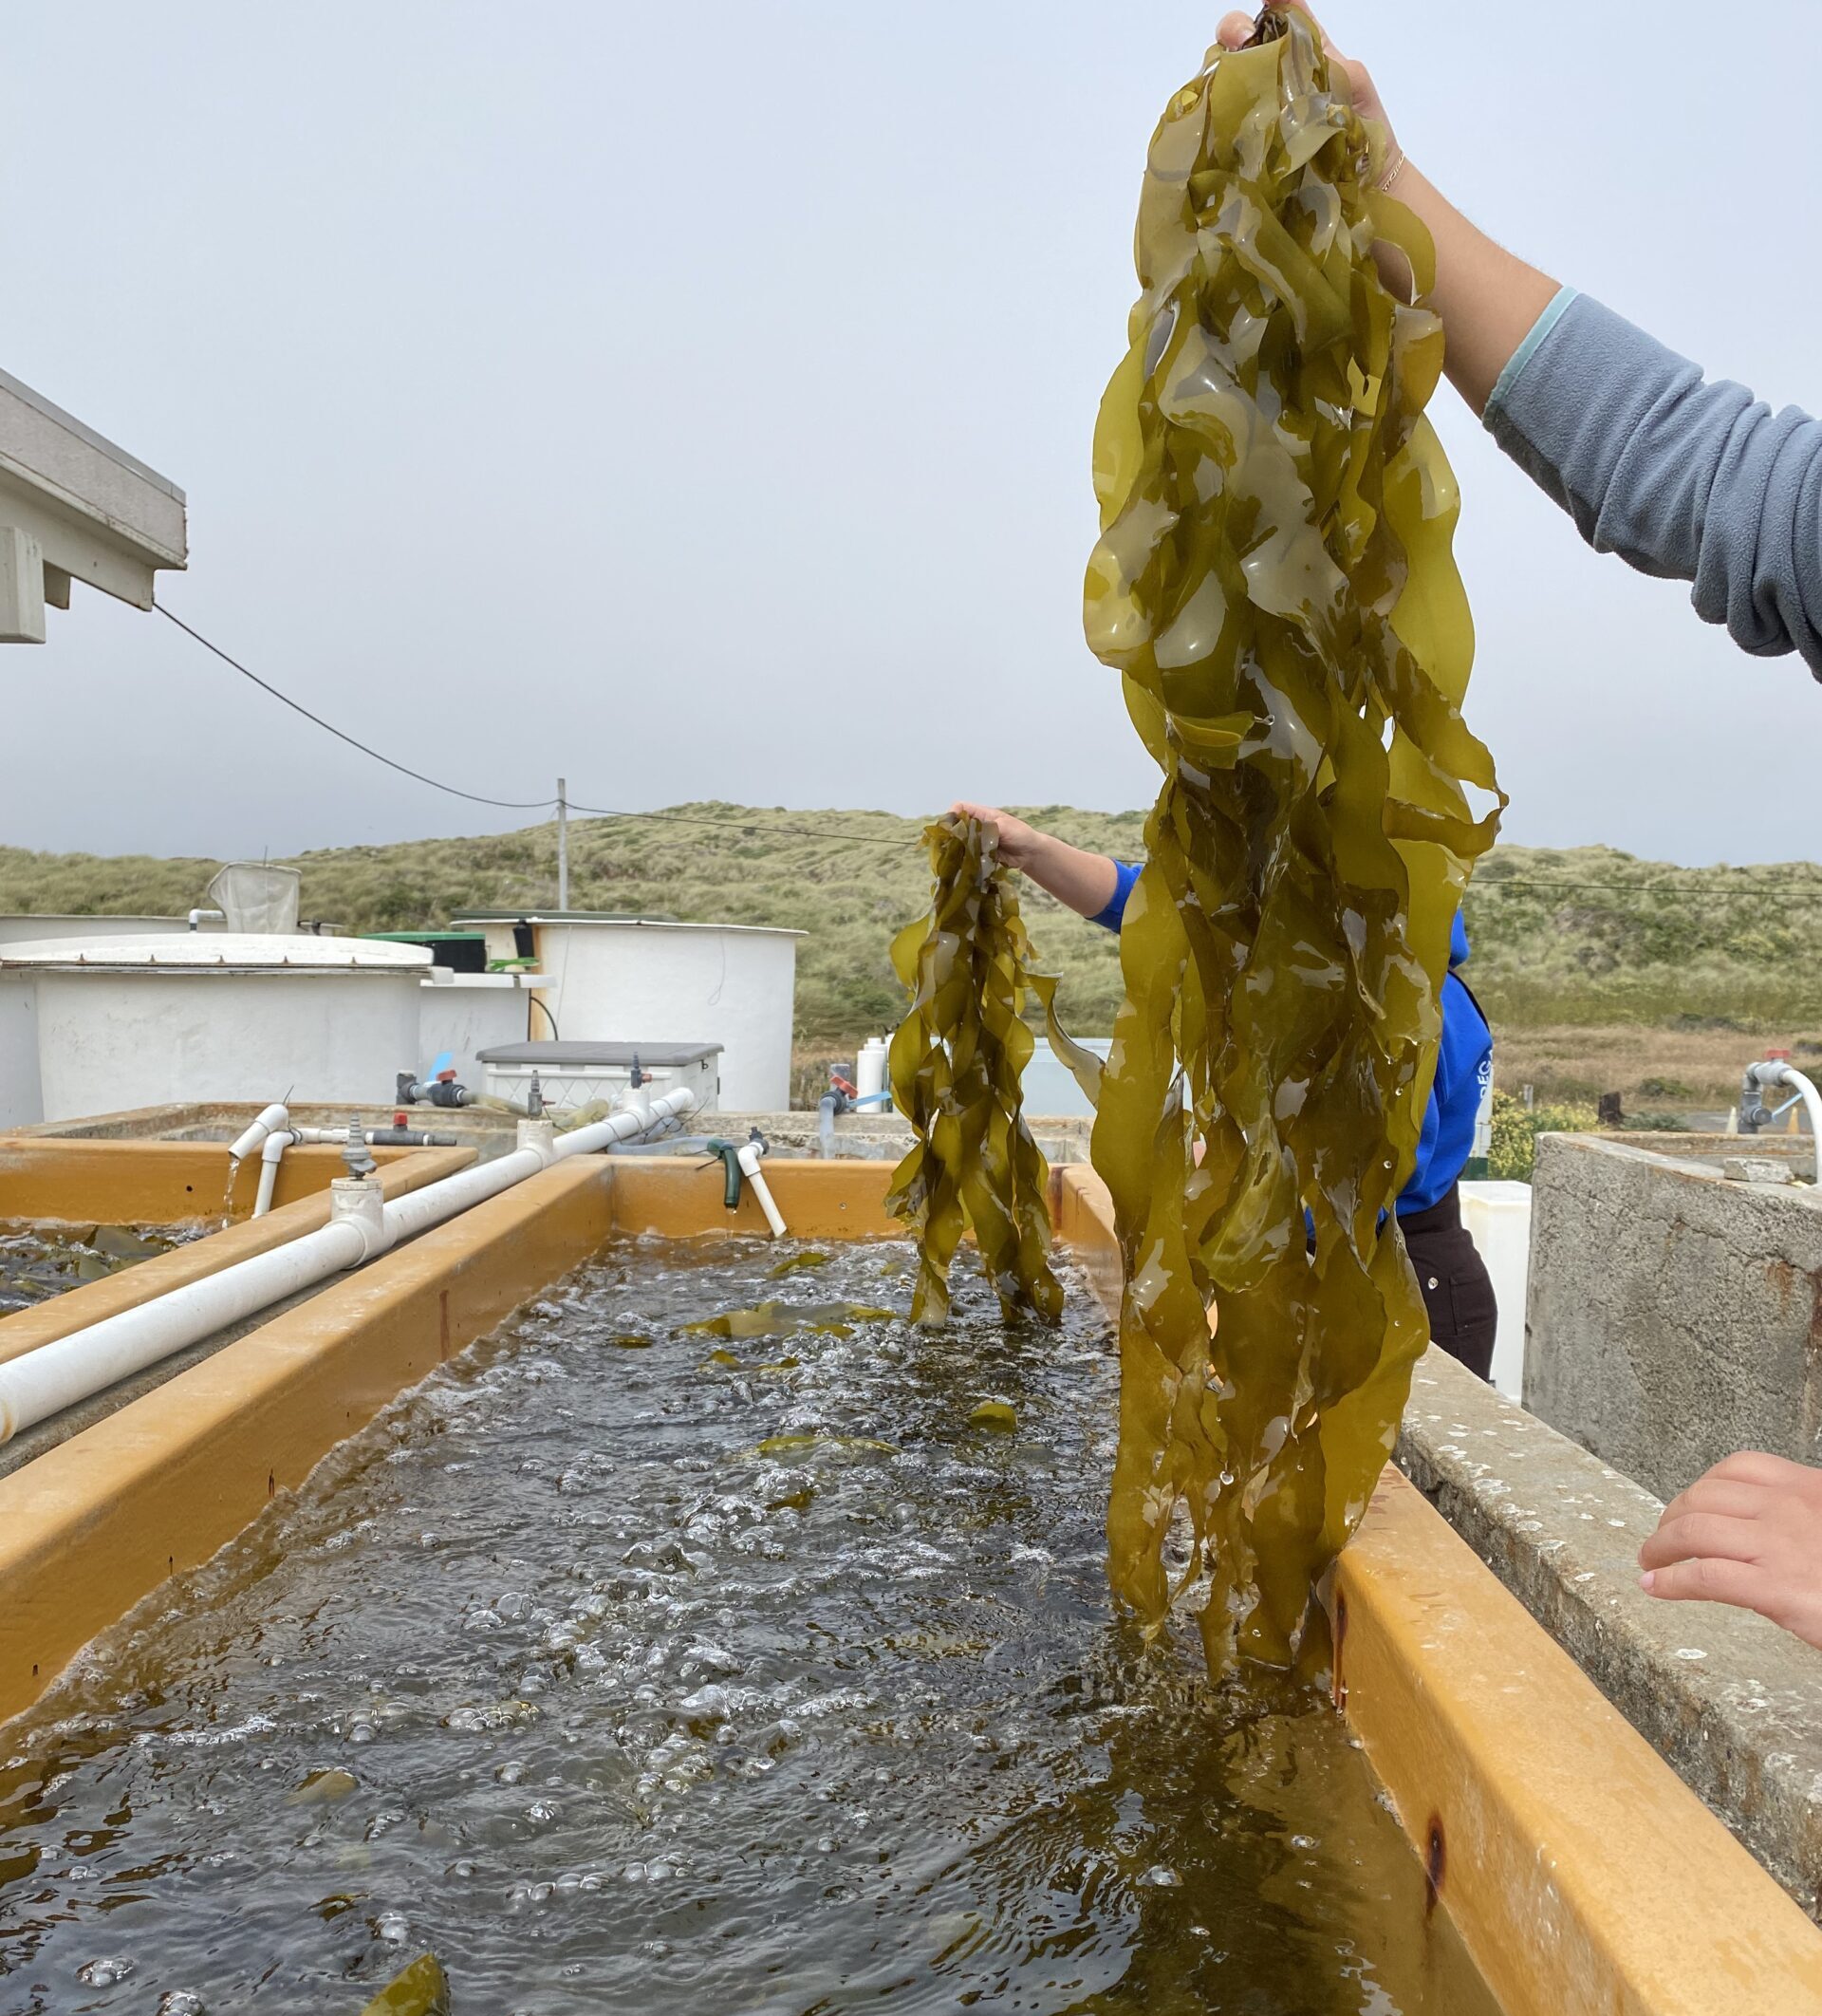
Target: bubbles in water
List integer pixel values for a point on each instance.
(103, 1973)
(818, 1699)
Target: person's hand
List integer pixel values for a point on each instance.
(1750, 1534)
(1018, 843)
(1235, 31)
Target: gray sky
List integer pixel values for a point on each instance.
(697, 399)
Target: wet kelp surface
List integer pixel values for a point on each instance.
(640, 1682)
(1275, 582)
(956, 1062)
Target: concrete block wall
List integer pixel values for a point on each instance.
(1674, 1314)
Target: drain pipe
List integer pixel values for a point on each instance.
(363, 1224)
(749, 1160)
(1779, 1072)
(269, 1158)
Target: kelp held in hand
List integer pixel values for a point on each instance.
(1275, 581)
(956, 1062)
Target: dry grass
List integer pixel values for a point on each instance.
(1650, 1068)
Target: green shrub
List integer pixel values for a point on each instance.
(1515, 1128)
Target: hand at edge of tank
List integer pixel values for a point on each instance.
(1749, 1533)
(1236, 30)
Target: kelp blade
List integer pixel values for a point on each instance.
(956, 1063)
(421, 1990)
(1276, 584)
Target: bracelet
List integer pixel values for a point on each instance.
(1386, 181)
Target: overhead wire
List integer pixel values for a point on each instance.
(743, 826)
(752, 827)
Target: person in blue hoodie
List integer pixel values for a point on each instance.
(1458, 1291)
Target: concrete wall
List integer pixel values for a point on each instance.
(1674, 1314)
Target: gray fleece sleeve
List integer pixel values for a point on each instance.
(1697, 482)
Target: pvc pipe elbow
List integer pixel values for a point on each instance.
(269, 1122)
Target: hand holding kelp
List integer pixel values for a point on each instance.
(956, 1063)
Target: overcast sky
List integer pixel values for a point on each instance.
(698, 400)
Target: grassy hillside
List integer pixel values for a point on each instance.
(1586, 937)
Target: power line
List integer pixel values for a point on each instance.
(405, 770)
(750, 827)
(476, 797)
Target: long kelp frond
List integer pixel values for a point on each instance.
(956, 1062)
(1275, 582)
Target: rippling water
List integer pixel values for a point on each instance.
(38, 1262)
(557, 1672)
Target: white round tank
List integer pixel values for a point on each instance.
(20, 927)
(144, 1021)
(623, 979)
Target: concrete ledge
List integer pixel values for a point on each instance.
(1732, 1702)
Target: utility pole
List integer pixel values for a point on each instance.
(563, 843)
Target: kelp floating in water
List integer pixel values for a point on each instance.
(956, 1062)
(1275, 580)
(422, 1990)
(788, 1319)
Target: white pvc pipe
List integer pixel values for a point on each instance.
(1789, 1074)
(43, 1382)
(869, 1072)
(58, 1374)
(269, 1158)
(254, 1138)
(749, 1159)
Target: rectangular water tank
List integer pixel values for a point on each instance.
(573, 1074)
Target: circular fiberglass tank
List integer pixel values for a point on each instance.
(144, 1021)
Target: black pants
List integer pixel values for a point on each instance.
(1458, 1291)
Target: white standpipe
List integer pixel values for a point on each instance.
(269, 1158)
(869, 1074)
(363, 1224)
(749, 1161)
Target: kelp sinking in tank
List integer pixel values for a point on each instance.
(1275, 583)
(956, 1063)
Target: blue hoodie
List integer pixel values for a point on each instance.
(1463, 1069)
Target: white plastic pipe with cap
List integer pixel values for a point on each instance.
(363, 1224)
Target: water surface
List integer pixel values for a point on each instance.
(626, 1678)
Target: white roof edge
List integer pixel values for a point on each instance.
(100, 442)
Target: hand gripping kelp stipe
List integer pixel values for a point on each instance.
(1275, 582)
(956, 1061)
